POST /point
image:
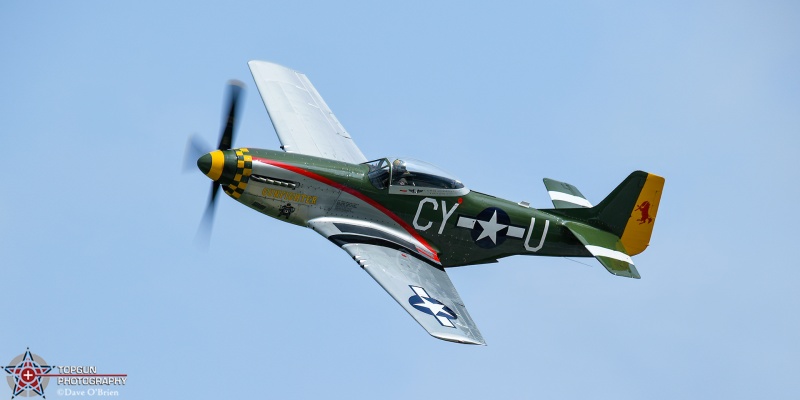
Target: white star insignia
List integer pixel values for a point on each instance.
(490, 228)
(435, 308)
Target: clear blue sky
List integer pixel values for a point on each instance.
(98, 262)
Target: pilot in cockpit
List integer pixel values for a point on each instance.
(400, 174)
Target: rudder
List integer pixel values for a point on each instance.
(630, 210)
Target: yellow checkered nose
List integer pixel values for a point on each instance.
(230, 168)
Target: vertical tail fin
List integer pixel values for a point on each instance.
(619, 226)
(630, 210)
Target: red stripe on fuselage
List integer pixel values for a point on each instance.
(355, 193)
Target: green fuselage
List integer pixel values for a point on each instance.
(465, 228)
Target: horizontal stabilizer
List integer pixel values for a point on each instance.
(565, 195)
(606, 247)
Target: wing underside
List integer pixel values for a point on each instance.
(422, 289)
(303, 121)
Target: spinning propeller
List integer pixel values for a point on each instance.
(197, 149)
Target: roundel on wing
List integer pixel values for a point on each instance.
(438, 309)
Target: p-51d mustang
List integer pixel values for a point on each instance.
(406, 221)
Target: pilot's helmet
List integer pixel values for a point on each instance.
(399, 166)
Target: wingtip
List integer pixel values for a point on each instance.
(458, 339)
(267, 64)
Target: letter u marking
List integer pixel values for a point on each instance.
(541, 241)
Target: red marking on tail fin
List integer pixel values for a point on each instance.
(644, 208)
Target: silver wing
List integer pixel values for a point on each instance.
(422, 289)
(301, 118)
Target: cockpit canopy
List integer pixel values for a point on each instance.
(408, 176)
